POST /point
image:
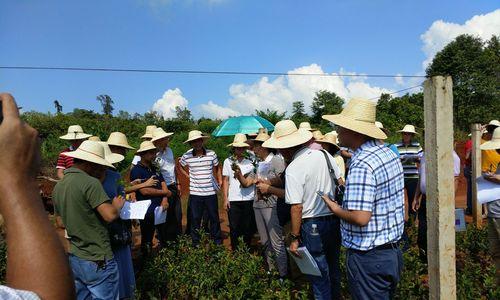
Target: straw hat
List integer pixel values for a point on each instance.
(492, 125)
(239, 141)
(194, 135)
(159, 134)
(494, 143)
(317, 135)
(261, 130)
(75, 132)
(146, 146)
(119, 139)
(149, 132)
(110, 156)
(330, 138)
(286, 135)
(92, 152)
(94, 139)
(381, 126)
(359, 116)
(408, 129)
(306, 126)
(262, 137)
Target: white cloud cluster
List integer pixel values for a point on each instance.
(170, 100)
(441, 33)
(280, 93)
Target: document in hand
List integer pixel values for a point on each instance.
(487, 191)
(306, 262)
(160, 215)
(134, 210)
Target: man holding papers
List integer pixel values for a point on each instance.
(157, 194)
(494, 206)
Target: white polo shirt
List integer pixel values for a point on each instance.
(305, 175)
(236, 192)
(166, 162)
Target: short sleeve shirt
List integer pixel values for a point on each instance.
(375, 184)
(272, 166)
(421, 170)
(64, 162)
(76, 199)
(489, 160)
(201, 178)
(7, 293)
(166, 162)
(409, 155)
(306, 175)
(142, 172)
(236, 192)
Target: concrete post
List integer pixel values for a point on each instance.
(438, 107)
(477, 214)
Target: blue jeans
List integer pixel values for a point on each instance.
(93, 281)
(325, 249)
(200, 204)
(374, 274)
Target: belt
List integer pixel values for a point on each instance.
(322, 218)
(394, 245)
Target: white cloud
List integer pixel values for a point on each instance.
(170, 100)
(280, 93)
(399, 79)
(441, 33)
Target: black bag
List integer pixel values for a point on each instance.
(339, 189)
(282, 208)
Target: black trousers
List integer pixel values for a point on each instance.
(241, 217)
(173, 226)
(198, 206)
(148, 228)
(422, 224)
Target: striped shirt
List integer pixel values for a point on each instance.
(375, 184)
(65, 162)
(201, 178)
(409, 155)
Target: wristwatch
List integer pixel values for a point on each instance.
(294, 237)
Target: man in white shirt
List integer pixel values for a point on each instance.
(166, 162)
(313, 224)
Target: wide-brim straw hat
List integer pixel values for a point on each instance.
(149, 132)
(359, 116)
(119, 139)
(261, 130)
(381, 126)
(262, 137)
(195, 135)
(330, 138)
(492, 124)
(239, 141)
(287, 135)
(92, 152)
(408, 129)
(110, 156)
(95, 138)
(306, 126)
(146, 146)
(317, 135)
(159, 134)
(75, 132)
(494, 143)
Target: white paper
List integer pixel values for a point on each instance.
(306, 262)
(160, 215)
(487, 191)
(135, 210)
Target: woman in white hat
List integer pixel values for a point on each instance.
(270, 169)
(238, 190)
(409, 152)
(147, 136)
(489, 158)
(202, 164)
(75, 136)
(494, 206)
(329, 142)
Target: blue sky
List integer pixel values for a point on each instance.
(370, 37)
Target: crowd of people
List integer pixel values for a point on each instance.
(295, 187)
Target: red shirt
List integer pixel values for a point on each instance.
(64, 162)
(468, 149)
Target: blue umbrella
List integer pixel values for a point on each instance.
(242, 124)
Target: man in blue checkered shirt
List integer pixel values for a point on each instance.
(372, 213)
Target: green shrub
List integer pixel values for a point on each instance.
(181, 271)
